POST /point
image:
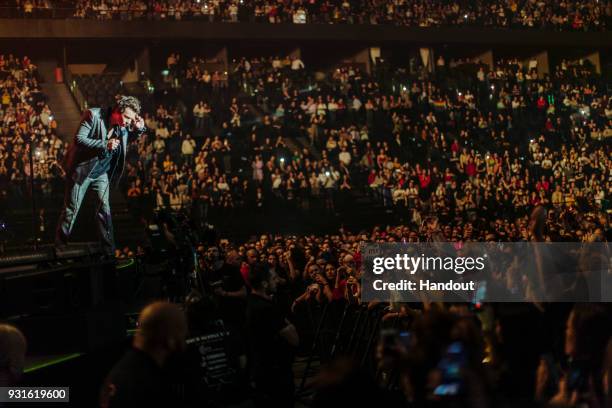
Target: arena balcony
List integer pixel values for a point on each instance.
(355, 33)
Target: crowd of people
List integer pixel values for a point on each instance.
(462, 143)
(278, 295)
(464, 152)
(26, 122)
(591, 15)
(315, 281)
(465, 142)
(460, 152)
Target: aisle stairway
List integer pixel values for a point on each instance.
(60, 100)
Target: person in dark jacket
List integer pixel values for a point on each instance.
(96, 159)
(142, 377)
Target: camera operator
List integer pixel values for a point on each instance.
(223, 274)
(271, 339)
(222, 279)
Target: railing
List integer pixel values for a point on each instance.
(78, 96)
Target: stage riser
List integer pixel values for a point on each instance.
(63, 301)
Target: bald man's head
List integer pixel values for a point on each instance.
(12, 350)
(162, 327)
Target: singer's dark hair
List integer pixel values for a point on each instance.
(124, 102)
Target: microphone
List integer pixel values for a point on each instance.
(118, 142)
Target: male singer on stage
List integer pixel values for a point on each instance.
(95, 159)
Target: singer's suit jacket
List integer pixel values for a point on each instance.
(89, 146)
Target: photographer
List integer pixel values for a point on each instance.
(271, 339)
(222, 277)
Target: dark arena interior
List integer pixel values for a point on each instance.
(195, 194)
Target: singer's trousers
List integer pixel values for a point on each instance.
(73, 198)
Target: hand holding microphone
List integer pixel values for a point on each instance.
(112, 144)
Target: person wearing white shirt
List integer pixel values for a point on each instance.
(299, 17)
(297, 64)
(321, 108)
(159, 145)
(344, 157)
(311, 109)
(198, 114)
(328, 179)
(276, 63)
(399, 195)
(480, 74)
(151, 122)
(187, 149)
(233, 11)
(222, 184)
(162, 132)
